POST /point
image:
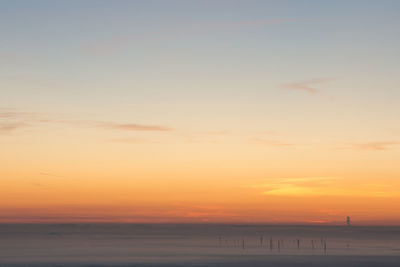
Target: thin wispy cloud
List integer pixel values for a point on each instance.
(4, 113)
(375, 146)
(295, 186)
(319, 186)
(132, 126)
(9, 113)
(37, 184)
(221, 132)
(132, 140)
(11, 127)
(50, 174)
(310, 86)
(11, 120)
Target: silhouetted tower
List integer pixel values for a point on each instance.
(348, 221)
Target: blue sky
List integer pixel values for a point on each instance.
(202, 63)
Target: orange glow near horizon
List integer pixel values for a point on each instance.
(237, 183)
(201, 199)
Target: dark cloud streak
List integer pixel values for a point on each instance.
(307, 86)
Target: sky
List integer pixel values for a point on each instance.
(200, 111)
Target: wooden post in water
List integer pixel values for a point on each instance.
(270, 244)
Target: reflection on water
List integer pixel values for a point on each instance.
(169, 242)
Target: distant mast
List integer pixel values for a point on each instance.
(348, 221)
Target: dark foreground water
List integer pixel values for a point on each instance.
(197, 245)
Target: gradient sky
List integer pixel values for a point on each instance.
(200, 111)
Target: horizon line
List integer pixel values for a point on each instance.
(204, 223)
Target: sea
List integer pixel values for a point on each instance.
(117, 244)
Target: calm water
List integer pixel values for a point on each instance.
(113, 244)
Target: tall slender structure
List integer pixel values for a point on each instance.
(348, 221)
